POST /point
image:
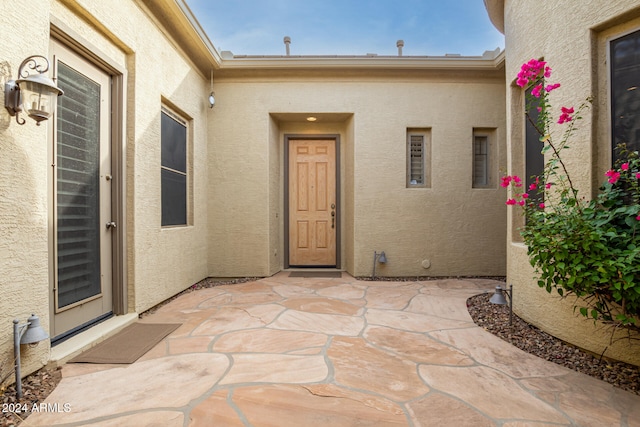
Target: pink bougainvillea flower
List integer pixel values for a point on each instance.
(537, 91)
(525, 195)
(566, 115)
(533, 187)
(638, 175)
(517, 180)
(506, 180)
(521, 202)
(511, 201)
(613, 176)
(541, 206)
(624, 166)
(531, 71)
(554, 86)
(638, 217)
(548, 185)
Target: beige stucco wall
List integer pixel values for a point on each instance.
(24, 280)
(457, 228)
(573, 40)
(161, 262)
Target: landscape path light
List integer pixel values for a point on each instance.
(26, 333)
(499, 298)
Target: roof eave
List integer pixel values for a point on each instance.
(361, 62)
(495, 9)
(180, 24)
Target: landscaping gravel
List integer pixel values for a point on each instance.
(495, 319)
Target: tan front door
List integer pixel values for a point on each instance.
(82, 227)
(312, 203)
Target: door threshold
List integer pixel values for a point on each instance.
(325, 273)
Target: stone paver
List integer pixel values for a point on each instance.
(287, 351)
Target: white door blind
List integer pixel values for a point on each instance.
(78, 163)
(416, 159)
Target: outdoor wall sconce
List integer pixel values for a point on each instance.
(27, 333)
(378, 257)
(498, 298)
(34, 93)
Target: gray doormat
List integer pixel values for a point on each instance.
(318, 274)
(128, 345)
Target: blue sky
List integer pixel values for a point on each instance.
(348, 27)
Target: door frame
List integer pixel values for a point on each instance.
(311, 137)
(71, 40)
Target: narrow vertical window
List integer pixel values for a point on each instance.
(416, 159)
(480, 161)
(484, 151)
(173, 170)
(625, 92)
(418, 150)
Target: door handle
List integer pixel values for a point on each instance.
(333, 219)
(111, 224)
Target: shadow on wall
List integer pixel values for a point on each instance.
(23, 235)
(5, 76)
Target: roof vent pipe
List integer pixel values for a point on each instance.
(287, 42)
(400, 45)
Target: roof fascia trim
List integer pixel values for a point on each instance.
(188, 14)
(415, 63)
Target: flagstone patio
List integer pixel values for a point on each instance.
(285, 351)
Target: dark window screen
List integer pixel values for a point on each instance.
(534, 159)
(174, 171)
(625, 92)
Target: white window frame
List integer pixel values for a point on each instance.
(424, 180)
(489, 136)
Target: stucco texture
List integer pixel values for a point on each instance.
(457, 228)
(572, 38)
(161, 262)
(24, 273)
